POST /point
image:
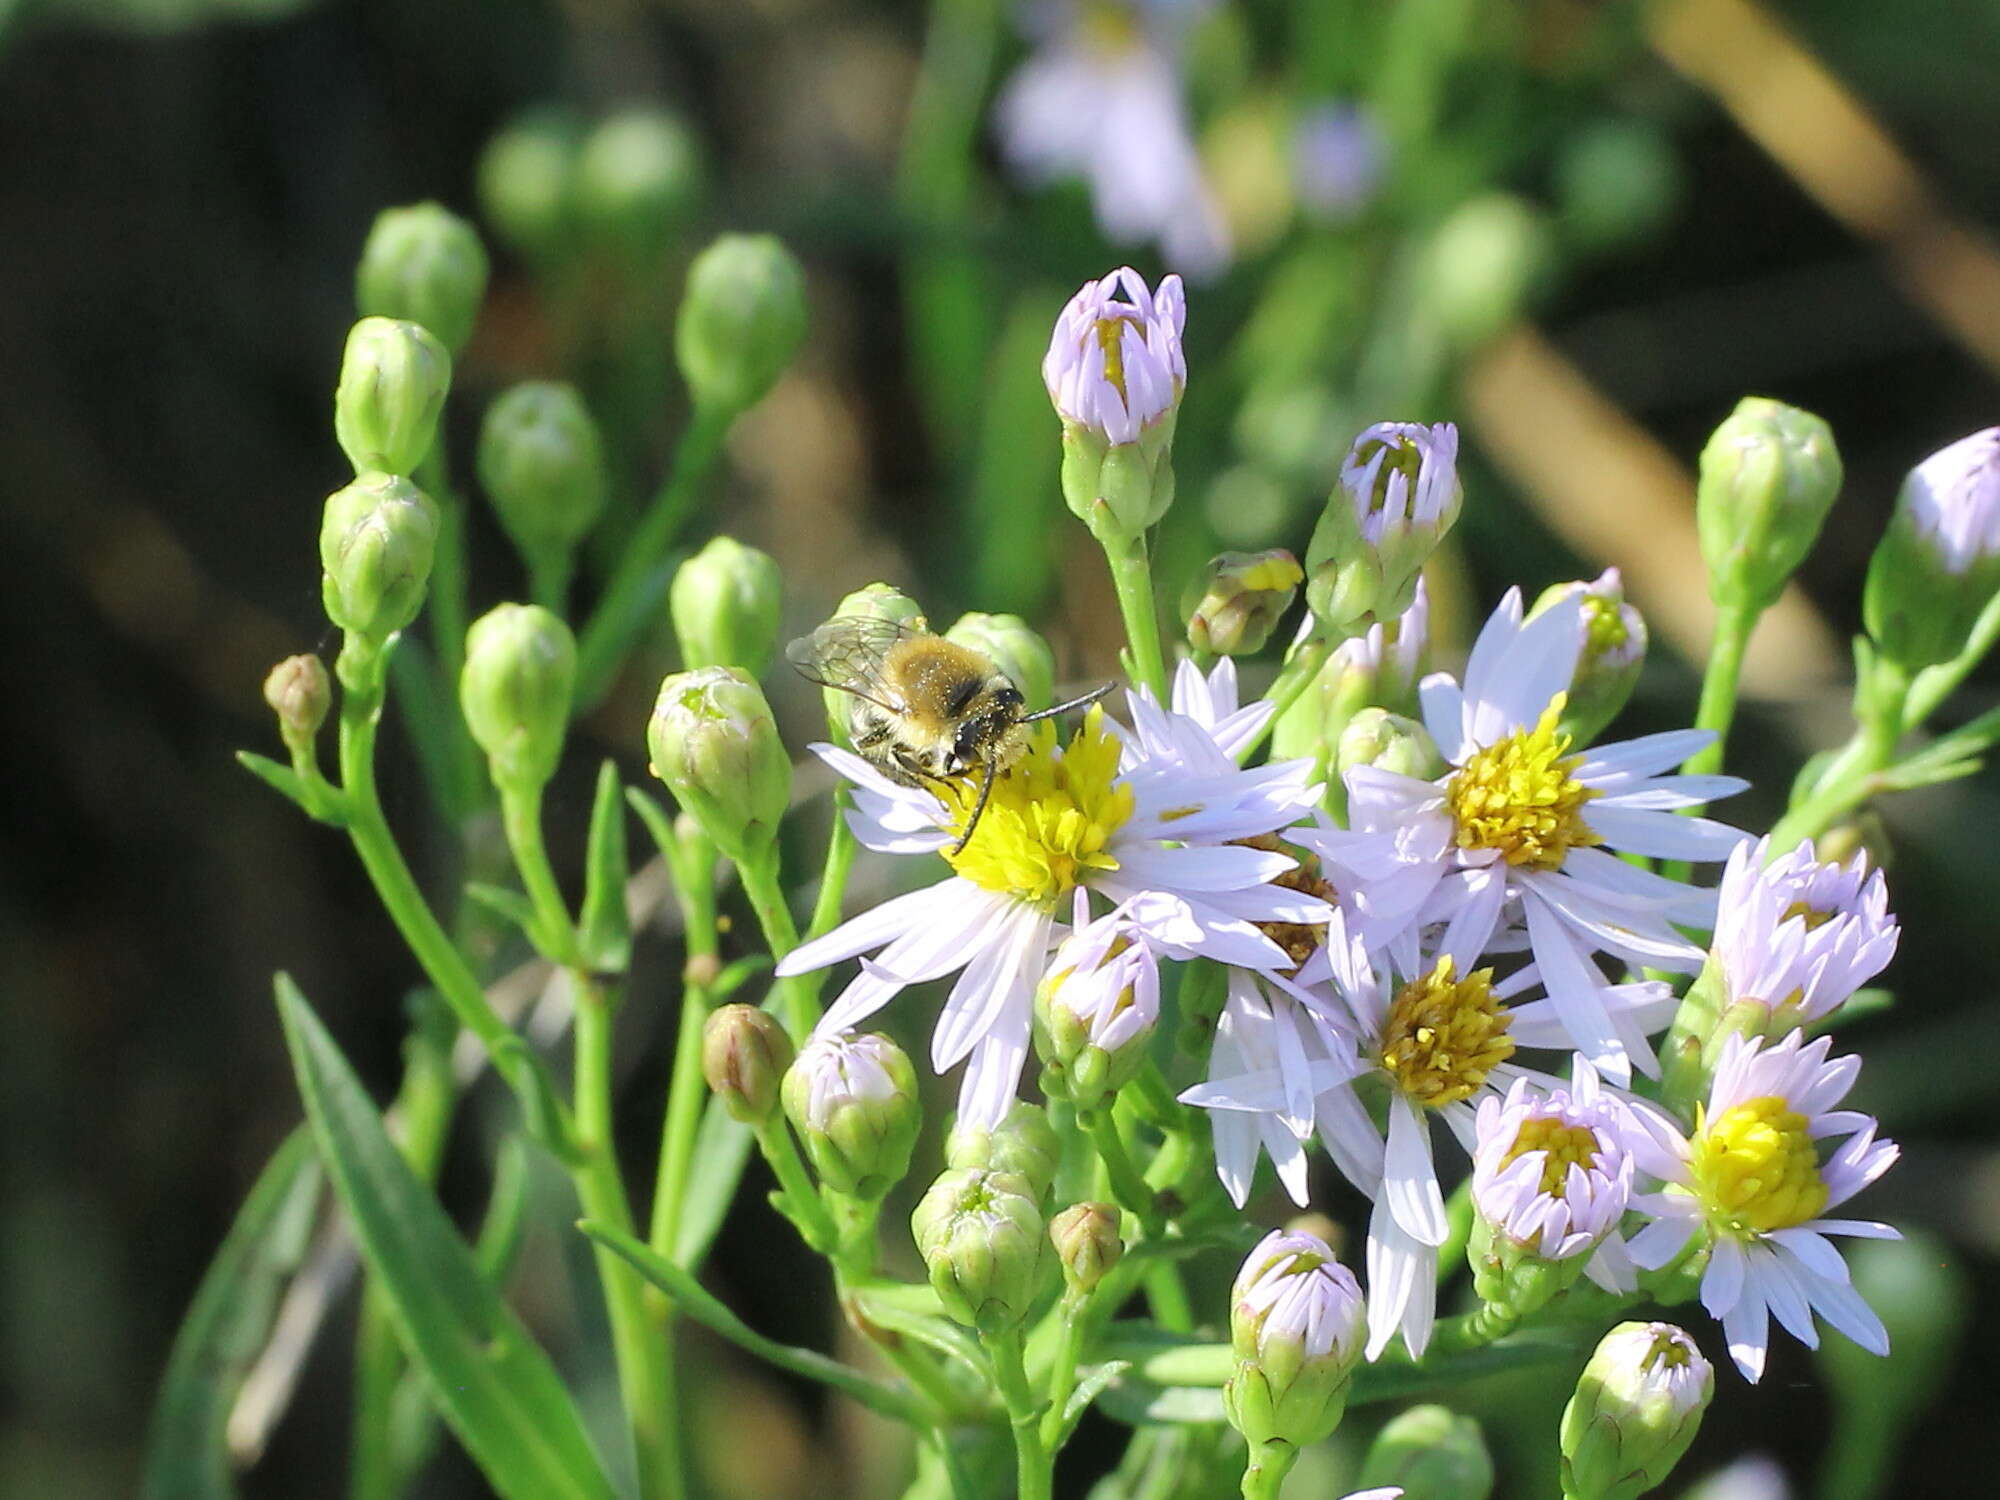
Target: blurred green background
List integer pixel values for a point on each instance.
(1596, 226)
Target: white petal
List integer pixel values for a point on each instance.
(1409, 1179)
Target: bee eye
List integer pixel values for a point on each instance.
(965, 744)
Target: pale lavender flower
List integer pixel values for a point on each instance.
(1292, 1287)
(1338, 156)
(1402, 476)
(1953, 498)
(1798, 936)
(1104, 980)
(1114, 363)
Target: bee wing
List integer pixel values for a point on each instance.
(846, 654)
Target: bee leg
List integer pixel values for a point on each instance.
(1062, 708)
(985, 791)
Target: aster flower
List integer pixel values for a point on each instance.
(1398, 495)
(1797, 936)
(1295, 1321)
(1520, 825)
(1769, 1156)
(1151, 824)
(1114, 364)
(1098, 1006)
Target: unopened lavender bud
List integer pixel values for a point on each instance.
(425, 264)
(716, 746)
(300, 694)
(638, 183)
(1769, 475)
(1431, 1454)
(1234, 604)
(852, 1098)
(1398, 496)
(1376, 737)
(515, 691)
(527, 183)
(1296, 1326)
(744, 1056)
(984, 1245)
(742, 318)
(1637, 1407)
(1115, 373)
(1024, 1143)
(1938, 566)
(1096, 1012)
(541, 464)
(377, 537)
(1087, 1243)
(724, 602)
(393, 379)
(1016, 650)
(1610, 659)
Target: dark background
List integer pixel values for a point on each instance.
(182, 195)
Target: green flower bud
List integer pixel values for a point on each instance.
(300, 694)
(1611, 657)
(716, 746)
(515, 691)
(1234, 604)
(1023, 1144)
(724, 602)
(852, 1098)
(1919, 1289)
(376, 539)
(1376, 737)
(393, 379)
(527, 183)
(742, 319)
(1088, 1243)
(1096, 1012)
(984, 1244)
(1938, 565)
(1769, 475)
(424, 264)
(745, 1055)
(1636, 1409)
(542, 465)
(639, 183)
(1432, 1454)
(1296, 1325)
(1481, 265)
(1016, 650)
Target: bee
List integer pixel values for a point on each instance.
(926, 710)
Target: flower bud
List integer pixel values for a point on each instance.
(638, 183)
(745, 1055)
(1376, 737)
(1769, 474)
(1608, 662)
(300, 694)
(1016, 650)
(1938, 565)
(1023, 1144)
(852, 1098)
(542, 465)
(1087, 1242)
(527, 182)
(515, 690)
(724, 601)
(716, 747)
(1398, 496)
(1234, 604)
(1096, 1011)
(1432, 1455)
(393, 379)
(983, 1242)
(376, 539)
(742, 319)
(423, 263)
(1637, 1406)
(1296, 1325)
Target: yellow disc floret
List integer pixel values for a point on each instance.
(1755, 1169)
(1519, 797)
(1443, 1035)
(1050, 819)
(1566, 1145)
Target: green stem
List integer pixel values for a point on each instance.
(636, 585)
(1264, 1474)
(1062, 1378)
(1881, 698)
(1474, 1330)
(694, 889)
(448, 618)
(1128, 1183)
(1034, 1466)
(521, 817)
(1132, 576)
(1717, 709)
(803, 1204)
(1293, 678)
(1458, 1231)
(800, 993)
(1932, 686)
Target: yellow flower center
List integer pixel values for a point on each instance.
(1050, 819)
(1670, 1350)
(1755, 1169)
(1443, 1036)
(1603, 627)
(1111, 339)
(1813, 917)
(1566, 1144)
(1518, 797)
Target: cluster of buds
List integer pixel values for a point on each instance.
(1769, 475)
(1296, 1328)
(1938, 566)
(1398, 495)
(1637, 1407)
(716, 746)
(852, 1099)
(1608, 661)
(724, 601)
(1097, 1010)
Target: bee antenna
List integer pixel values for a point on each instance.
(1062, 708)
(985, 791)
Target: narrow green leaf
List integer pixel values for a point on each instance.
(733, 977)
(721, 1148)
(692, 1299)
(1093, 1384)
(542, 1108)
(606, 931)
(492, 1382)
(278, 777)
(510, 904)
(931, 1329)
(187, 1456)
(1138, 1402)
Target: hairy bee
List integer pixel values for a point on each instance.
(926, 711)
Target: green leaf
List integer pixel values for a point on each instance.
(492, 1382)
(605, 933)
(1397, 1379)
(187, 1455)
(692, 1299)
(1138, 1402)
(931, 1329)
(721, 1148)
(1096, 1379)
(510, 904)
(734, 975)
